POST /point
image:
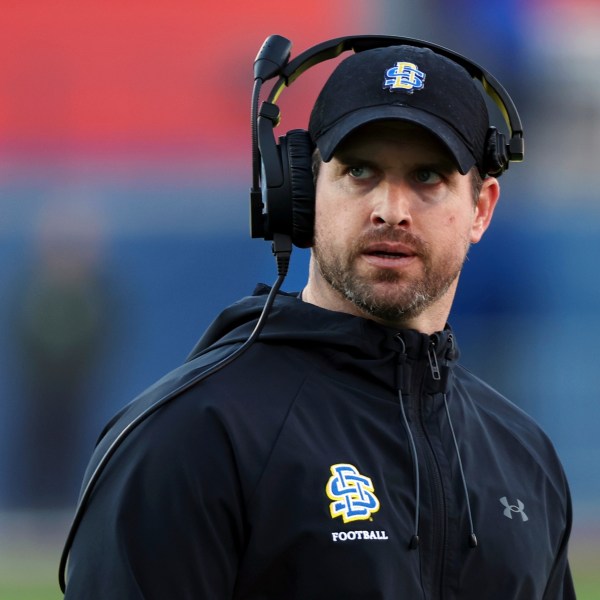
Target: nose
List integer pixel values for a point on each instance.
(392, 206)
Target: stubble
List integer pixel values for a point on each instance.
(388, 295)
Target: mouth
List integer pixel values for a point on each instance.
(389, 251)
(389, 255)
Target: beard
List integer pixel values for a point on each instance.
(388, 295)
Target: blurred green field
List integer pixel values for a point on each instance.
(19, 586)
(30, 551)
(14, 585)
(585, 564)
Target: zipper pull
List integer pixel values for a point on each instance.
(400, 363)
(451, 352)
(433, 363)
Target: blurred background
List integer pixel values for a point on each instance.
(124, 176)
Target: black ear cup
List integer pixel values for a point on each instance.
(299, 149)
(288, 191)
(496, 159)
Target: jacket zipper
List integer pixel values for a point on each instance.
(438, 516)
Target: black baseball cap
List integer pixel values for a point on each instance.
(406, 83)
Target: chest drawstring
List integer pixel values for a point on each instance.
(414, 540)
(472, 536)
(436, 375)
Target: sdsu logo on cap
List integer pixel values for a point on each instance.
(404, 76)
(352, 494)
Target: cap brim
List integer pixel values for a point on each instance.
(331, 139)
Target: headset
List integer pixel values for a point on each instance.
(282, 196)
(282, 193)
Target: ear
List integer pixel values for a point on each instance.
(488, 198)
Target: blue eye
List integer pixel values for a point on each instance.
(360, 172)
(427, 176)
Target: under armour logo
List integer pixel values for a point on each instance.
(513, 508)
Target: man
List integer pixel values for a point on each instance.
(346, 453)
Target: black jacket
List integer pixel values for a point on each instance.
(335, 459)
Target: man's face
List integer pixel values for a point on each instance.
(394, 221)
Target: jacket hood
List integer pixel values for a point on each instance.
(292, 320)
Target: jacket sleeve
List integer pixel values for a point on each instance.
(560, 583)
(165, 519)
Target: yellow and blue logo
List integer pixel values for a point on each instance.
(352, 494)
(404, 76)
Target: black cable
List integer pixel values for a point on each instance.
(282, 257)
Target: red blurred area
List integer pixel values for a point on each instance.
(143, 76)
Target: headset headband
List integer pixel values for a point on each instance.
(333, 48)
(275, 177)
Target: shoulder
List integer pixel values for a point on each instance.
(511, 429)
(193, 409)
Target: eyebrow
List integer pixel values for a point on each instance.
(440, 164)
(347, 157)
